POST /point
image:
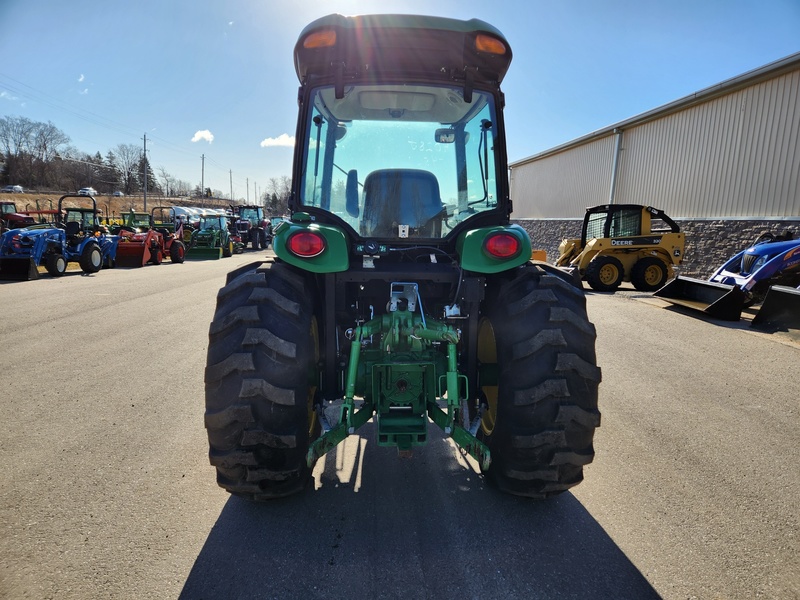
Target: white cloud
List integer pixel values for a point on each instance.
(6, 96)
(81, 78)
(84, 92)
(203, 134)
(284, 140)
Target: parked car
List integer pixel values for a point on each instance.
(87, 191)
(12, 189)
(118, 194)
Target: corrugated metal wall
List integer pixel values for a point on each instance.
(563, 184)
(735, 156)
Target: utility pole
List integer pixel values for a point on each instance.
(144, 168)
(203, 178)
(247, 186)
(231, 176)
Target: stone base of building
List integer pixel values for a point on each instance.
(709, 243)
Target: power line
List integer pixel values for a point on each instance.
(34, 94)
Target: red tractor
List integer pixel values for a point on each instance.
(252, 226)
(11, 219)
(140, 243)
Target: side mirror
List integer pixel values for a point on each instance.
(351, 193)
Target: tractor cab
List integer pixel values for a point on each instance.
(396, 145)
(213, 223)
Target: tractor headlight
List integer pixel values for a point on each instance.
(760, 262)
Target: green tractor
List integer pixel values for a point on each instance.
(400, 293)
(211, 240)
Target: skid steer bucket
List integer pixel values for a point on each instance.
(201, 253)
(18, 269)
(780, 310)
(714, 299)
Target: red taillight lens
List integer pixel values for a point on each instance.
(501, 245)
(307, 244)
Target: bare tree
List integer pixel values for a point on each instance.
(167, 181)
(278, 192)
(128, 158)
(29, 148)
(15, 134)
(47, 139)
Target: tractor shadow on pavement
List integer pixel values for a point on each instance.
(380, 526)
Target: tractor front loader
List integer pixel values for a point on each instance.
(139, 244)
(399, 292)
(763, 270)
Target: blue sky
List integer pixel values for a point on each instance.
(216, 77)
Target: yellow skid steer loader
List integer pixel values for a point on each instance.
(620, 242)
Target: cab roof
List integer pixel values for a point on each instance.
(401, 46)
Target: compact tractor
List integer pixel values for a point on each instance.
(624, 242)
(400, 293)
(171, 229)
(211, 239)
(77, 236)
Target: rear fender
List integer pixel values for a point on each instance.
(470, 247)
(334, 258)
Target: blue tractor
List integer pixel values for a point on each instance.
(76, 236)
(771, 265)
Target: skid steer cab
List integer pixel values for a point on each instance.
(400, 294)
(624, 242)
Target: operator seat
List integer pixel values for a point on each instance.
(72, 229)
(394, 197)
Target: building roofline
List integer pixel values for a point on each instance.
(769, 71)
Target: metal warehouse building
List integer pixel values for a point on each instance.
(723, 162)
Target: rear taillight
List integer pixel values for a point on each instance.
(306, 244)
(501, 245)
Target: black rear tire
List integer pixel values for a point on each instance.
(260, 382)
(539, 377)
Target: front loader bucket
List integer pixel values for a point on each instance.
(714, 299)
(132, 254)
(18, 269)
(198, 253)
(780, 310)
